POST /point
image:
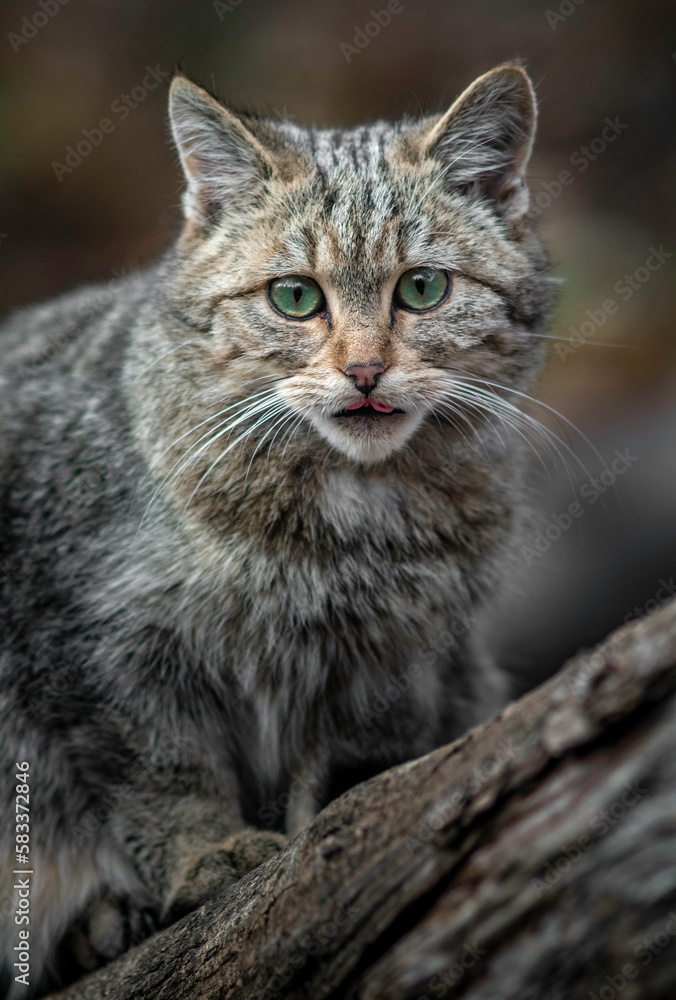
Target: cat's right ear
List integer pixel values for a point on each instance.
(224, 163)
(484, 141)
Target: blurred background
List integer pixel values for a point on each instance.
(79, 203)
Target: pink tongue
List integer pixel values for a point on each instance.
(380, 407)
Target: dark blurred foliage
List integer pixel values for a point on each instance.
(591, 62)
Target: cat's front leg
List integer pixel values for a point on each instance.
(113, 923)
(180, 850)
(187, 838)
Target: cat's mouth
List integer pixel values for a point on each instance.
(368, 430)
(368, 408)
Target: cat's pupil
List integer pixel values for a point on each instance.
(297, 293)
(420, 285)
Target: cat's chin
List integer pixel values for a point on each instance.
(368, 439)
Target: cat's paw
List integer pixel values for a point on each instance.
(109, 927)
(250, 848)
(218, 866)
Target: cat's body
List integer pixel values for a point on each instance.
(202, 601)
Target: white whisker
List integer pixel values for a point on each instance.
(508, 419)
(514, 416)
(292, 431)
(179, 347)
(536, 424)
(252, 405)
(285, 416)
(241, 437)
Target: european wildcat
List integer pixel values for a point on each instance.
(249, 487)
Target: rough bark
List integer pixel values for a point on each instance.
(535, 857)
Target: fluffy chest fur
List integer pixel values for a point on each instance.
(306, 589)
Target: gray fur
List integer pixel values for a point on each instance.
(194, 614)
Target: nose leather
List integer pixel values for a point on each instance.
(365, 376)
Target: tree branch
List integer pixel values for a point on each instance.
(534, 857)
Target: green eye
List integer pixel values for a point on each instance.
(296, 296)
(422, 288)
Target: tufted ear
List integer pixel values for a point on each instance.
(484, 140)
(226, 157)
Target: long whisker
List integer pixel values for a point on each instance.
(231, 406)
(458, 412)
(294, 427)
(218, 432)
(255, 403)
(241, 437)
(178, 347)
(191, 455)
(279, 426)
(481, 380)
(506, 418)
(515, 416)
(573, 340)
(480, 409)
(279, 423)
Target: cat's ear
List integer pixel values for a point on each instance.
(226, 158)
(484, 140)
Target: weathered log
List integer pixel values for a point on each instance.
(535, 857)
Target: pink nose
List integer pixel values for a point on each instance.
(365, 377)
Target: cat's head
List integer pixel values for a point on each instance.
(364, 278)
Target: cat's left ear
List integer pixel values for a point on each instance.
(227, 158)
(484, 140)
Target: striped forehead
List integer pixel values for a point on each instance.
(362, 150)
(359, 215)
